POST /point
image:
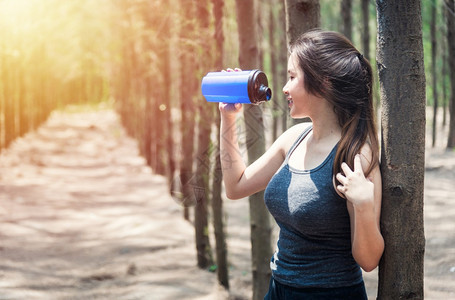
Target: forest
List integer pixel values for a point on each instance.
(146, 58)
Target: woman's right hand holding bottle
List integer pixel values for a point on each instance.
(230, 109)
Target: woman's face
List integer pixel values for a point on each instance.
(297, 96)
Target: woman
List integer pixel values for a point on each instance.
(322, 181)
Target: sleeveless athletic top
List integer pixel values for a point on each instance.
(314, 245)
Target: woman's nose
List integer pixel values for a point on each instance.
(285, 89)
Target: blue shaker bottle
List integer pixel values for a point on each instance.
(249, 87)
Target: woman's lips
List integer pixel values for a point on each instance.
(290, 102)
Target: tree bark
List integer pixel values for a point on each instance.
(187, 91)
(346, 14)
(9, 113)
(255, 141)
(433, 70)
(402, 88)
(450, 6)
(218, 217)
(366, 28)
(283, 71)
(217, 202)
(301, 16)
(276, 111)
(170, 163)
(278, 56)
(445, 72)
(204, 124)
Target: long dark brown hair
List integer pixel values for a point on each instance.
(335, 70)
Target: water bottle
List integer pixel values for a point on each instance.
(249, 87)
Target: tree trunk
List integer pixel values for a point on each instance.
(218, 216)
(433, 71)
(204, 124)
(2, 98)
(402, 87)
(217, 202)
(148, 124)
(450, 6)
(255, 141)
(283, 71)
(187, 91)
(274, 53)
(444, 71)
(366, 28)
(301, 16)
(24, 106)
(201, 191)
(151, 108)
(278, 56)
(346, 14)
(166, 57)
(9, 108)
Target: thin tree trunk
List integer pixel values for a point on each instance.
(278, 56)
(255, 140)
(217, 202)
(24, 106)
(201, 191)
(148, 124)
(10, 108)
(187, 90)
(346, 14)
(445, 73)
(2, 98)
(402, 85)
(366, 28)
(150, 128)
(218, 217)
(165, 32)
(450, 6)
(274, 53)
(433, 71)
(283, 70)
(204, 124)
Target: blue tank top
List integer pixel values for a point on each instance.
(314, 245)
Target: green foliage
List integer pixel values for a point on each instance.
(213, 268)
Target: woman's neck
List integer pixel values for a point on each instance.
(326, 126)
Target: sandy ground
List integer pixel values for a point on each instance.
(83, 217)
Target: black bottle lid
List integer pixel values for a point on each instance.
(258, 90)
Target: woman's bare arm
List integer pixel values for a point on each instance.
(241, 180)
(364, 205)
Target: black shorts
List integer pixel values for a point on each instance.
(278, 291)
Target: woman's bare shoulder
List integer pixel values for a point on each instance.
(366, 158)
(296, 130)
(287, 139)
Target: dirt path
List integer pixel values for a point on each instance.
(83, 217)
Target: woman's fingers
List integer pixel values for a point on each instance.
(347, 171)
(357, 167)
(341, 178)
(230, 107)
(357, 164)
(232, 70)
